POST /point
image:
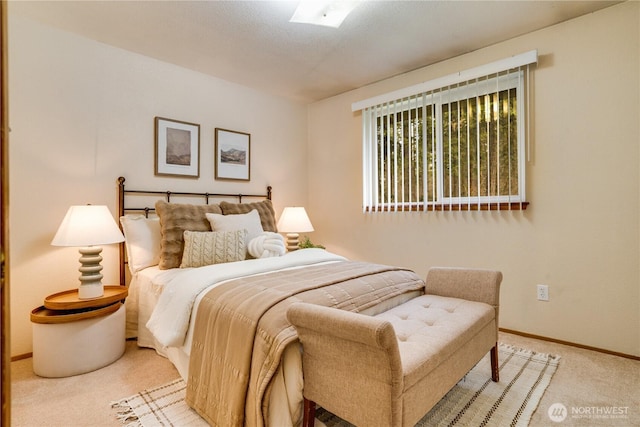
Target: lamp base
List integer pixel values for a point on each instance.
(90, 291)
(293, 242)
(91, 278)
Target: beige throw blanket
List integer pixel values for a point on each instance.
(241, 331)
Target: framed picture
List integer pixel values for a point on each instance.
(233, 155)
(177, 150)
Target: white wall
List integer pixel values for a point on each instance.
(581, 232)
(82, 114)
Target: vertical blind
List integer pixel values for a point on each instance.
(454, 147)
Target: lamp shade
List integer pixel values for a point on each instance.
(294, 220)
(87, 225)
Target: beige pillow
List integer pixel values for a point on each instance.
(249, 221)
(175, 219)
(264, 208)
(213, 247)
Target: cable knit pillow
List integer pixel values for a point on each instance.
(264, 208)
(212, 247)
(175, 219)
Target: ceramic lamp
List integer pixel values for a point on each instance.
(88, 227)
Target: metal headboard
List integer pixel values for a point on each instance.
(126, 195)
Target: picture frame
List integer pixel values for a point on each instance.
(232, 155)
(177, 148)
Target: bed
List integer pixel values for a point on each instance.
(209, 286)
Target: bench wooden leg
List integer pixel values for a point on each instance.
(309, 414)
(495, 370)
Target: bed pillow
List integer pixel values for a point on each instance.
(249, 221)
(213, 247)
(142, 240)
(175, 219)
(264, 208)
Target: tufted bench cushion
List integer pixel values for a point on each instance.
(430, 329)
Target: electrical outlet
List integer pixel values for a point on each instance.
(543, 292)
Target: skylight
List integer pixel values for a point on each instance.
(329, 13)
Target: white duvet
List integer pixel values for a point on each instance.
(169, 321)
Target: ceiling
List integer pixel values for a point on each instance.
(252, 43)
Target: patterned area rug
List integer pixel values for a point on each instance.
(475, 400)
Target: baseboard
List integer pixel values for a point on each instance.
(508, 331)
(28, 355)
(21, 356)
(569, 343)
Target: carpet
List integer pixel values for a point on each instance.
(474, 401)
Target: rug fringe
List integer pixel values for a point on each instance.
(524, 350)
(126, 415)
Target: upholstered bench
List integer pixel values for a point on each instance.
(392, 368)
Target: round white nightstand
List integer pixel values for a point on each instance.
(84, 336)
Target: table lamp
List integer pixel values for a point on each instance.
(294, 220)
(88, 227)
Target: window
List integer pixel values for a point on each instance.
(459, 146)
